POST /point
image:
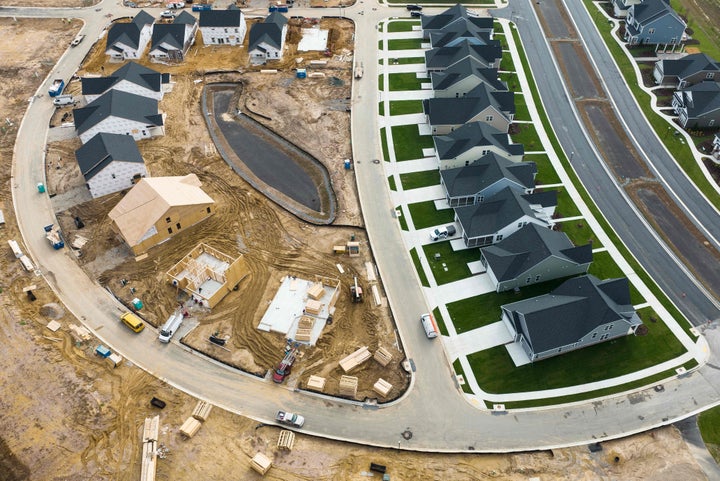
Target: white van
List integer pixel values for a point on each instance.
(428, 323)
(61, 100)
(171, 326)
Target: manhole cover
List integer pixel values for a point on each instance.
(407, 434)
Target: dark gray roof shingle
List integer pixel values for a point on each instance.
(486, 171)
(103, 149)
(220, 18)
(132, 72)
(456, 111)
(117, 104)
(474, 134)
(465, 68)
(269, 31)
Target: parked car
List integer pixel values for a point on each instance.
(290, 419)
(413, 7)
(167, 14)
(78, 38)
(130, 4)
(443, 232)
(176, 5)
(415, 14)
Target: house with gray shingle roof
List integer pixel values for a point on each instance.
(653, 22)
(461, 31)
(118, 112)
(698, 106)
(456, 13)
(132, 78)
(129, 40)
(485, 177)
(532, 255)
(468, 143)
(459, 79)
(495, 108)
(267, 39)
(581, 312)
(442, 58)
(171, 41)
(504, 214)
(223, 27)
(110, 163)
(686, 71)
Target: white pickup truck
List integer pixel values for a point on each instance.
(290, 419)
(442, 232)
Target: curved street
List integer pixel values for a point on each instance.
(433, 411)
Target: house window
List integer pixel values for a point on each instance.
(709, 75)
(167, 219)
(112, 175)
(226, 30)
(519, 224)
(485, 152)
(481, 198)
(178, 226)
(169, 230)
(527, 281)
(488, 118)
(651, 31)
(208, 210)
(594, 335)
(499, 238)
(467, 162)
(537, 278)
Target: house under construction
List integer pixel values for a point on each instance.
(207, 275)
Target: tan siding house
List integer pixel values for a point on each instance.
(158, 208)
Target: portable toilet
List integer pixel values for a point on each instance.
(137, 304)
(41, 187)
(301, 73)
(347, 164)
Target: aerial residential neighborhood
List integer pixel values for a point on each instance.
(332, 240)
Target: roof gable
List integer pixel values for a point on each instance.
(486, 171)
(471, 135)
(149, 200)
(103, 149)
(118, 104)
(131, 72)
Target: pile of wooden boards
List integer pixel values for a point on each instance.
(316, 383)
(348, 386)
(304, 330)
(354, 360)
(192, 424)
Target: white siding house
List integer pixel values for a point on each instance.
(131, 78)
(110, 163)
(129, 40)
(223, 27)
(267, 39)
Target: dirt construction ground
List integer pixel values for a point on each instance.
(67, 414)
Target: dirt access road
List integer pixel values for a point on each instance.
(67, 414)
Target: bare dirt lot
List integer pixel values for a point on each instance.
(68, 415)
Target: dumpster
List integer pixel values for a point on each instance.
(102, 351)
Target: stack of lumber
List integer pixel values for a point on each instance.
(383, 356)
(261, 463)
(348, 385)
(351, 362)
(202, 411)
(316, 383)
(382, 387)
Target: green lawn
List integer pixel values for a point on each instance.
(478, 311)
(401, 218)
(381, 83)
(521, 109)
(459, 370)
(604, 267)
(579, 232)
(709, 423)
(403, 107)
(545, 171)
(418, 268)
(404, 43)
(416, 180)
(424, 214)
(528, 136)
(440, 321)
(566, 207)
(454, 261)
(402, 26)
(383, 141)
(500, 35)
(381, 108)
(496, 373)
(405, 60)
(511, 79)
(704, 30)
(391, 181)
(506, 63)
(629, 386)
(408, 143)
(405, 81)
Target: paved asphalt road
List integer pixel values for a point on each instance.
(432, 412)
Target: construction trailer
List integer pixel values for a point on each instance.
(207, 275)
